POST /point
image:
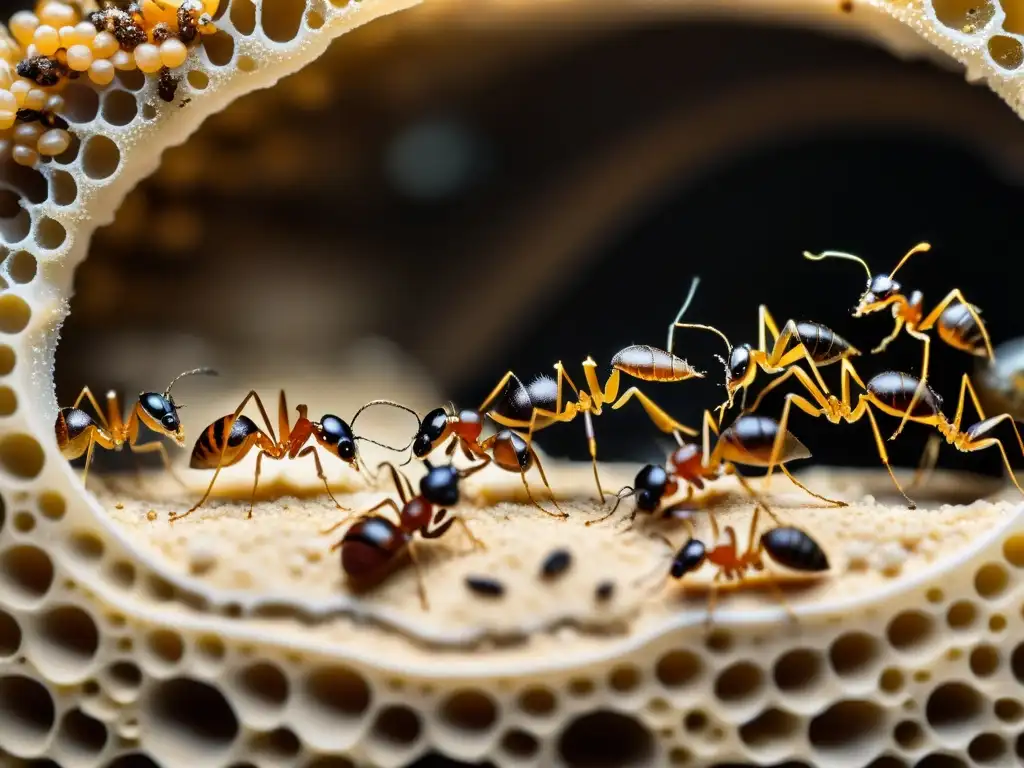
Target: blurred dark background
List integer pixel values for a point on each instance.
(552, 202)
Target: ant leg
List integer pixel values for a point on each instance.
(712, 600)
(86, 393)
(936, 313)
(780, 437)
(420, 586)
(509, 375)
(890, 338)
(544, 479)
(863, 406)
(477, 544)
(759, 502)
(966, 388)
(255, 482)
(88, 456)
(560, 514)
(981, 445)
(158, 447)
(929, 458)
(386, 503)
(311, 451)
(588, 426)
(781, 597)
(834, 502)
(921, 384)
(655, 413)
(396, 478)
(815, 392)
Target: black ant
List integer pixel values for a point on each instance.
(818, 344)
(958, 323)
(230, 438)
(542, 402)
(749, 441)
(78, 433)
(505, 448)
(373, 544)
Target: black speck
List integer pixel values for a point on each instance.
(604, 591)
(484, 585)
(556, 564)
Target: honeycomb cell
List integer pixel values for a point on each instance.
(63, 187)
(7, 359)
(520, 744)
(27, 572)
(798, 670)
(265, 684)
(1009, 710)
(21, 267)
(537, 701)
(605, 738)
(86, 545)
(849, 725)
(1007, 52)
(678, 669)
(964, 16)
(739, 682)
(14, 314)
(280, 19)
(625, 678)
(27, 714)
(984, 660)
(1013, 550)
(987, 748)
(278, 745)
(397, 725)
(953, 707)
(50, 234)
(190, 721)
(166, 645)
(909, 735)
(891, 680)
(910, 630)
(773, 727)
(120, 107)
(961, 614)
(69, 639)
(990, 581)
(854, 654)
(21, 455)
(100, 157)
(470, 710)
(243, 16)
(81, 735)
(10, 635)
(8, 401)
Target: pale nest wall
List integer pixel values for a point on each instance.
(124, 640)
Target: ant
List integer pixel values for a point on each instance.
(747, 441)
(894, 393)
(818, 344)
(77, 432)
(542, 404)
(788, 546)
(230, 438)
(506, 448)
(373, 544)
(958, 323)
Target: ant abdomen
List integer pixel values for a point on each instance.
(896, 390)
(958, 328)
(822, 343)
(369, 546)
(750, 438)
(518, 401)
(71, 423)
(206, 454)
(511, 452)
(794, 549)
(647, 363)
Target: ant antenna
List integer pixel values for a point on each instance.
(384, 445)
(686, 305)
(392, 404)
(193, 372)
(919, 248)
(841, 255)
(624, 493)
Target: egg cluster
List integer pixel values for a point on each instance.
(61, 41)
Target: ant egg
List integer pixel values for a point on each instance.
(55, 103)
(27, 133)
(23, 25)
(35, 99)
(147, 58)
(101, 72)
(46, 40)
(20, 89)
(123, 60)
(7, 101)
(104, 45)
(57, 14)
(173, 53)
(23, 155)
(7, 118)
(53, 142)
(79, 58)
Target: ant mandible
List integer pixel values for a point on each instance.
(958, 323)
(818, 344)
(77, 432)
(507, 449)
(788, 546)
(372, 544)
(747, 441)
(230, 438)
(541, 403)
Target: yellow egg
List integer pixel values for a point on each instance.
(57, 14)
(20, 89)
(173, 52)
(147, 57)
(23, 25)
(7, 102)
(79, 57)
(46, 40)
(101, 72)
(53, 142)
(35, 99)
(104, 45)
(123, 60)
(7, 118)
(23, 155)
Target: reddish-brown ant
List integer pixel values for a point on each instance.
(747, 441)
(542, 402)
(894, 393)
(505, 448)
(230, 438)
(373, 544)
(77, 432)
(786, 545)
(958, 323)
(818, 344)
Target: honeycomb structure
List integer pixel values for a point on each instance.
(125, 641)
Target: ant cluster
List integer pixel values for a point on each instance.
(61, 40)
(373, 545)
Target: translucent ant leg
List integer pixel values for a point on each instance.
(157, 447)
(956, 295)
(477, 543)
(897, 327)
(863, 406)
(88, 456)
(86, 393)
(981, 445)
(834, 502)
(544, 478)
(420, 586)
(929, 458)
(311, 451)
(712, 600)
(921, 384)
(655, 413)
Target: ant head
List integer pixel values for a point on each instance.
(440, 486)
(337, 437)
(650, 485)
(433, 429)
(159, 413)
(689, 558)
(880, 292)
(739, 370)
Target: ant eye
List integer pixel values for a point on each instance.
(347, 450)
